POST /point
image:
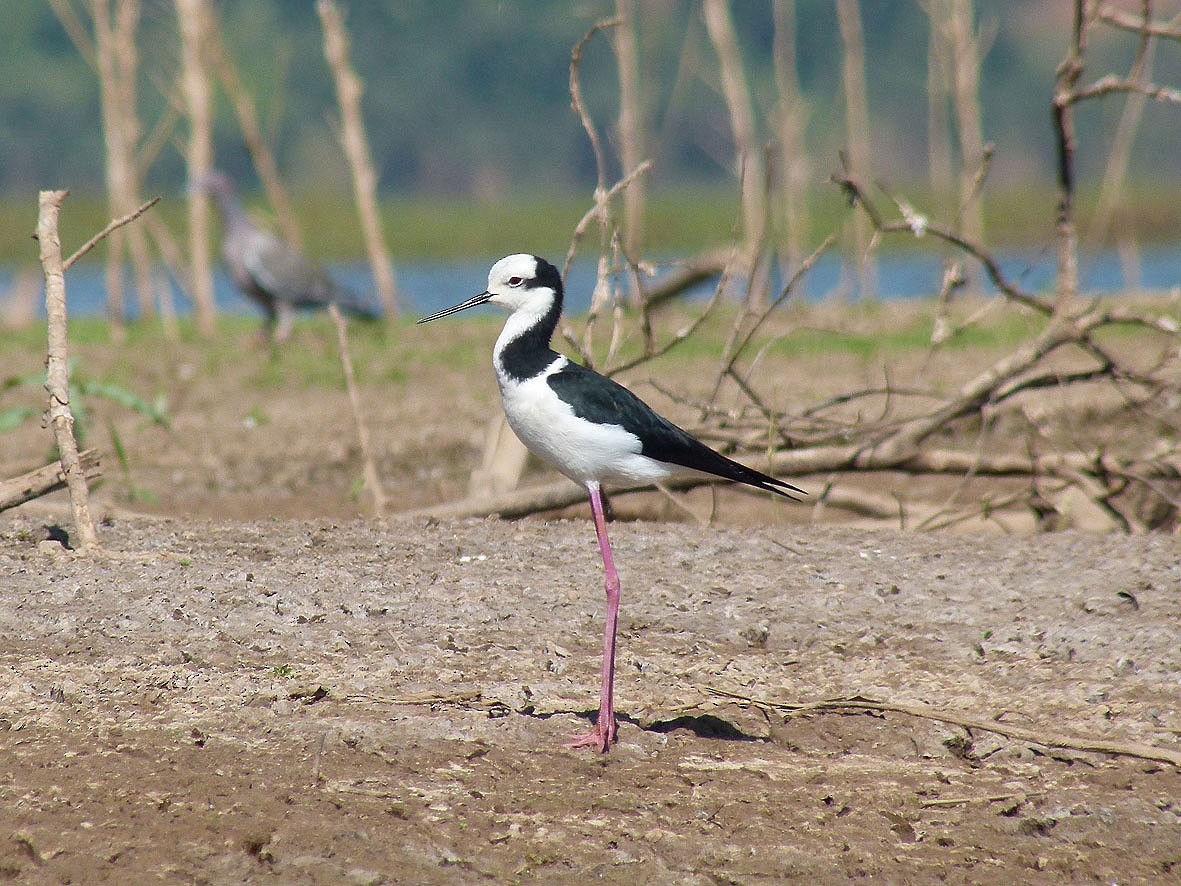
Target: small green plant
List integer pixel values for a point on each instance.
(283, 670)
(134, 492)
(256, 417)
(82, 390)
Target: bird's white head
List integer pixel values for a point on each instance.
(520, 282)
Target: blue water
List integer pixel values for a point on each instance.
(426, 287)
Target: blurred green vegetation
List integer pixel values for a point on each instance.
(393, 353)
(681, 221)
(467, 102)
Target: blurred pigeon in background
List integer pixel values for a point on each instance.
(270, 271)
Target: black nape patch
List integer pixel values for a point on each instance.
(530, 353)
(547, 275)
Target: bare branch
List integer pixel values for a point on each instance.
(1123, 20)
(111, 226)
(42, 481)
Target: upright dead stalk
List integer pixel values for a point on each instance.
(1116, 171)
(57, 381)
(939, 171)
(260, 151)
(955, 50)
(751, 169)
(857, 129)
(791, 118)
(118, 61)
(965, 52)
(194, 19)
(117, 169)
(1065, 97)
(356, 149)
(632, 138)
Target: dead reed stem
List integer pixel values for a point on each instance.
(195, 21)
(356, 149)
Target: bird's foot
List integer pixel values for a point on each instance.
(601, 739)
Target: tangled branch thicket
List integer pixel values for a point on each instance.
(1081, 414)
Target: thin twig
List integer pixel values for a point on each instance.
(370, 467)
(111, 226)
(915, 709)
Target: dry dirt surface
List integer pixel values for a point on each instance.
(320, 701)
(257, 683)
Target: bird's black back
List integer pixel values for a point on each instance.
(598, 399)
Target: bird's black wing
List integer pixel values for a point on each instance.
(598, 399)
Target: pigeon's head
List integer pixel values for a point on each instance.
(213, 181)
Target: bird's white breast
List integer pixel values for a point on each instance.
(580, 449)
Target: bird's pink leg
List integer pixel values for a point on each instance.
(603, 734)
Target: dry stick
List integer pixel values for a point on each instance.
(356, 148)
(602, 291)
(685, 275)
(820, 460)
(964, 55)
(125, 178)
(915, 709)
(111, 226)
(43, 480)
(57, 381)
(964, 801)
(76, 31)
(1062, 115)
(652, 350)
(350, 381)
(1116, 171)
(791, 114)
(1118, 18)
(738, 342)
(854, 191)
(592, 214)
(127, 18)
(116, 154)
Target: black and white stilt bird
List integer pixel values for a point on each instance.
(587, 426)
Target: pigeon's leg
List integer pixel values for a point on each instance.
(603, 734)
(286, 317)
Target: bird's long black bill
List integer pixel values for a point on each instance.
(470, 303)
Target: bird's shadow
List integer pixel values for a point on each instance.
(701, 725)
(704, 726)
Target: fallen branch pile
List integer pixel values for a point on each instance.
(1020, 419)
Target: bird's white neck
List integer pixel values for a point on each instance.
(523, 348)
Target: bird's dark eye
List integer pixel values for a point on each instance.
(515, 281)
